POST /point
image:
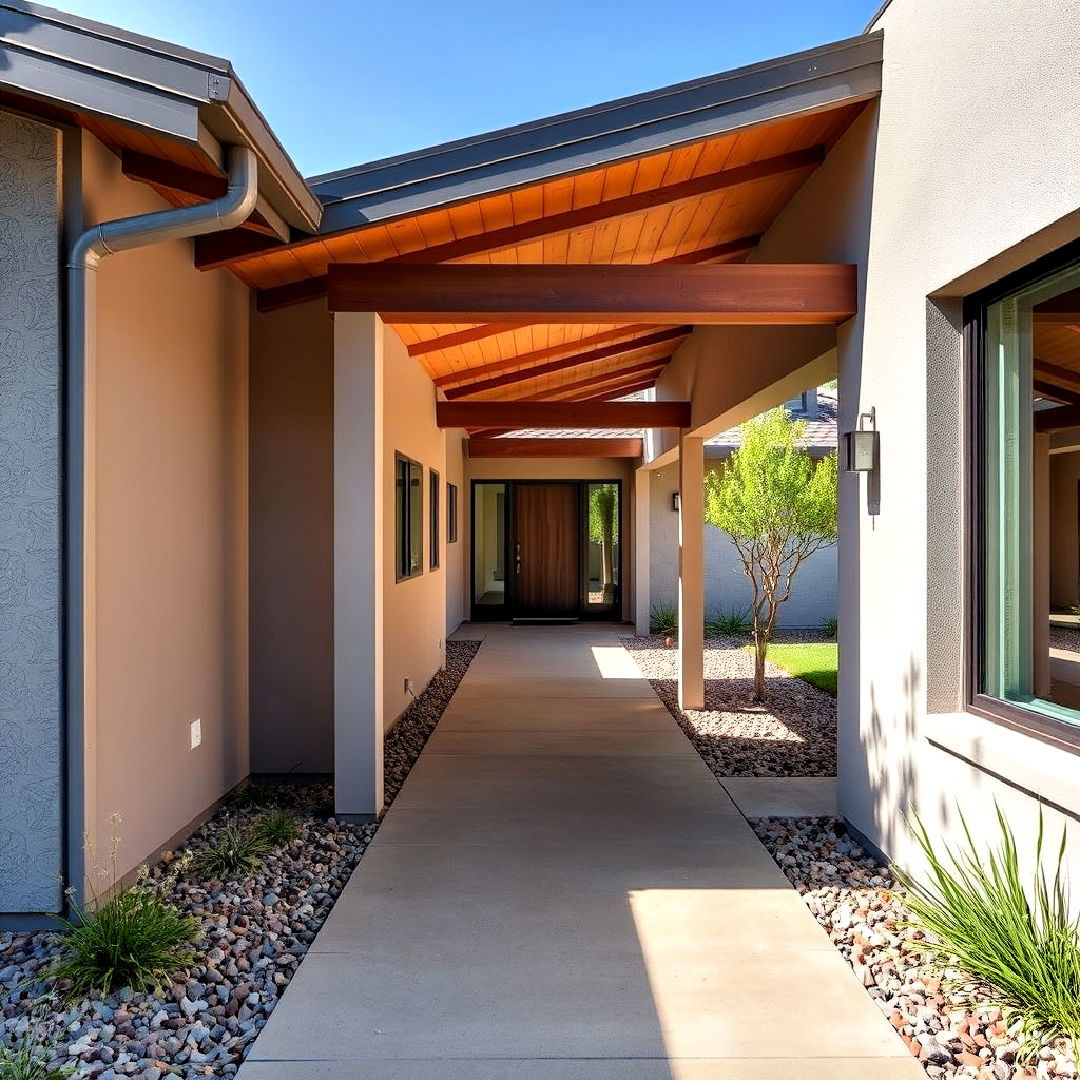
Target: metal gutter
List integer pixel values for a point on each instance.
(93, 245)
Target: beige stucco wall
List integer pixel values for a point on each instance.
(171, 569)
(414, 610)
(292, 540)
(974, 176)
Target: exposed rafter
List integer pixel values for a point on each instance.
(632, 373)
(659, 338)
(510, 415)
(549, 448)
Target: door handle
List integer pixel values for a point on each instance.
(517, 558)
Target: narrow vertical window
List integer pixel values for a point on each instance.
(408, 517)
(451, 513)
(434, 518)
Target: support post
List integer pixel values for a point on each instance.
(691, 573)
(642, 551)
(358, 566)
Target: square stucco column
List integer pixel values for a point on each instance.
(691, 574)
(358, 565)
(642, 553)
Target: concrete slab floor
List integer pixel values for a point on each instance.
(562, 892)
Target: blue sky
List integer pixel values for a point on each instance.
(343, 82)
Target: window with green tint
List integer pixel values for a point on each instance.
(408, 517)
(1029, 527)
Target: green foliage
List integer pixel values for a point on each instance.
(603, 506)
(136, 939)
(29, 1059)
(830, 626)
(664, 619)
(1020, 942)
(277, 828)
(779, 507)
(727, 623)
(235, 853)
(813, 661)
(252, 796)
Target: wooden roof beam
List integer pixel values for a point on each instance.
(553, 448)
(633, 373)
(578, 359)
(746, 294)
(509, 415)
(1057, 373)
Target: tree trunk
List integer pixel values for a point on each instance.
(761, 647)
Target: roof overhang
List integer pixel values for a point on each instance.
(87, 69)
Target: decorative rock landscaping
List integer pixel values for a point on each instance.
(950, 1026)
(792, 734)
(253, 933)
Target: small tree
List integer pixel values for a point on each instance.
(778, 507)
(603, 507)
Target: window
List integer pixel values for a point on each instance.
(409, 516)
(451, 513)
(1027, 525)
(602, 548)
(435, 519)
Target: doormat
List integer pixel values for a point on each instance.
(564, 621)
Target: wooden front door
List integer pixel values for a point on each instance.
(547, 549)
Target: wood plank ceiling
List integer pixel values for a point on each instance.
(709, 202)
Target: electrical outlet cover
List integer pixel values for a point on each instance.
(196, 734)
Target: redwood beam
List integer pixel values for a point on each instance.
(297, 292)
(1055, 393)
(1056, 373)
(633, 372)
(1050, 420)
(219, 249)
(553, 448)
(508, 415)
(747, 294)
(578, 359)
(621, 391)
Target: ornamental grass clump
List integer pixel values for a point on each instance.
(277, 828)
(664, 619)
(135, 939)
(1022, 943)
(235, 853)
(30, 1057)
(727, 623)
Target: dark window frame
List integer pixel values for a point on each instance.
(434, 519)
(451, 513)
(403, 519)
(1008, 714)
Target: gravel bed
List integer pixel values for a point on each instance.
(793, 733)
(1063, 637)
(949, 1025)
(253, 933)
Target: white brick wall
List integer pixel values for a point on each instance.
(813, 595)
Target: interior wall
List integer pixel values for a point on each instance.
(292, 540)
(171, 570)
(1064, 530)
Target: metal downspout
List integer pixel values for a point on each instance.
(97, 242)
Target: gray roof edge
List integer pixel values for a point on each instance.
(548, 124)
(876, 16)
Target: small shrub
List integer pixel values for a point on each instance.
(727, 623)
(277, 828)
(1023, 944)
(664, 619)
(235, 853)
(830, 626)
(136, 939)
(29, 1059)
(252, 796)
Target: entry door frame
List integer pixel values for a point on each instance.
(508, 609)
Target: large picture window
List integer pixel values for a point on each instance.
(1028, 497)
(409, 516)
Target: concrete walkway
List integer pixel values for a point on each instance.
(562, 891)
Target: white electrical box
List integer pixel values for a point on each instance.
(196, 734)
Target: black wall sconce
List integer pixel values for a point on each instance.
(860, 451)
(675, 502)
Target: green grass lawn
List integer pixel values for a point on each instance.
(814, 661)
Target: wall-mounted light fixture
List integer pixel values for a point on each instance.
(675, 501)
(860, 451)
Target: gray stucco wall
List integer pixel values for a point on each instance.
(30, 737)
(813, 595)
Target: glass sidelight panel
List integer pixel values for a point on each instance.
(489, 544)
(603, 555)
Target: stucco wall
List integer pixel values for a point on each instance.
(171, 576)
(292, 540)
(414, 610)
(973, 176)
(813, 594)
(31, 750)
